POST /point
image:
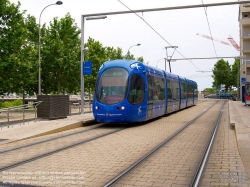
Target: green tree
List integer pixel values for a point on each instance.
(222, 74)
(114, 54)
(60, 52)
(140, 59)
(235, 73)
(210, 90)
(17, 49)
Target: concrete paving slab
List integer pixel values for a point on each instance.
(44, 127)
(240, 119)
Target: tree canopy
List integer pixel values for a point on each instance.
(17, 49)
(223, 73)
(60, 54)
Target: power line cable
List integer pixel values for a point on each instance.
(205, 10)
(156, 32)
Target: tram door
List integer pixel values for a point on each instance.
(170, 99)
(150, 96)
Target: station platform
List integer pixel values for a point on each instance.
(240, 119)
(44, 127)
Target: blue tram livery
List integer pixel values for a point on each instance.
(129, 91)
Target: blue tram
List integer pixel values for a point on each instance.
(129, 91)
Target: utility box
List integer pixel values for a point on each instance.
(53, 106)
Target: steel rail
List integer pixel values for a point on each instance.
(198, 175)
(132, 166)
(56, 151)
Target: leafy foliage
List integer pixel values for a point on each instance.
(223, 73)
(18, 67)
(8, 104)
(60, 54)
(235, 73)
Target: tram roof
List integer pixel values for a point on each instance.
(128, 64)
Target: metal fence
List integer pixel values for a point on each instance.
(19, 114)
(23, 114)
(75, 106)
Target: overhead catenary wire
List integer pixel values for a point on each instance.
(205, 10)
(157, 32)
(198, 76)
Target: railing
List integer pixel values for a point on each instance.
(18, 114)
(26, 113)
(75, 106)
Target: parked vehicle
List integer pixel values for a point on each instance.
(211, 96)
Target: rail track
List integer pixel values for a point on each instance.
(94, 134)
(198, 174)
(62, 143)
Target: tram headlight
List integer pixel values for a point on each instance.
(121, 108)
(97, 108)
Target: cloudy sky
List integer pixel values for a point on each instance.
(176, 27)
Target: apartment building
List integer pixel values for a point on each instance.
(244, 23)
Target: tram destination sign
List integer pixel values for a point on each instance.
(87, 68)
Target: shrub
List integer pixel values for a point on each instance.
(8, 104)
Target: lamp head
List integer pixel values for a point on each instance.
(59, 3)
(138, 44)
(86, 49)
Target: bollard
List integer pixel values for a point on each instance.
(23, 113)
(8, 118)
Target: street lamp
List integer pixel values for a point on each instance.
(130, 47)
(159, 60)
(39, 47)
(83, 50)
(169, 57)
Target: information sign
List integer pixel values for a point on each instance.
(87, 68)
(243, 79)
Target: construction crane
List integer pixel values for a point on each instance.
(233, 43)
(236, 46)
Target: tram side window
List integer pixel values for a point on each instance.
(159, 87)
(150, 88)
(170, 88)
(177, 90)
(183, 90)
(169, 93)
(190, 93)
(195, 91)
(137, 89)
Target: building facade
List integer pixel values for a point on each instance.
(244, 23)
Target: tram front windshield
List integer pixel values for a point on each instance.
(112, 86)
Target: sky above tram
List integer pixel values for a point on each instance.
(174, 28)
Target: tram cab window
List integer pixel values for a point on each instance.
(136, 90)
(112, 86)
